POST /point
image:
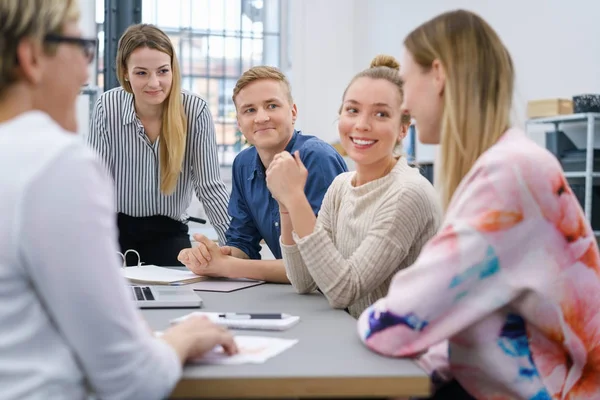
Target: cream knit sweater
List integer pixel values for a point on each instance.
(363, 236)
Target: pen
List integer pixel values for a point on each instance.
(198, 220)
(253, 316)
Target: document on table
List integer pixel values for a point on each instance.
(252, 350)
(224, 285)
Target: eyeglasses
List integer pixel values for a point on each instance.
(88, 46)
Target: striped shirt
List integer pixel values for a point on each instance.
(118, 135)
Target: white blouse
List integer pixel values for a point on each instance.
(67, 324)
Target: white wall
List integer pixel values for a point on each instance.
(322, 51)
(554, 45)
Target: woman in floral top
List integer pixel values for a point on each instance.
(512, 281)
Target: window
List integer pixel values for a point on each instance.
(215, 41)
(100, 47)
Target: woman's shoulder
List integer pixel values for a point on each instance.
(339, 186)
(193, 103)
(509, 175)
(516, 158)
(342, 180)
(408, 180)
(115, 96)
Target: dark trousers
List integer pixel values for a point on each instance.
(451, 391)
(158, 239)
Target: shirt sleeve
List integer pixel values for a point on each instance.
(242, 233)
(390, 237)
(324, 164)
(68, 244)
(210, 189)
(98, 136)
(458, 278)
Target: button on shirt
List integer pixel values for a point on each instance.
(118, 135)
(255, 213)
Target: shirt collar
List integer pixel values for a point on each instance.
(258, 166)
(128, 110)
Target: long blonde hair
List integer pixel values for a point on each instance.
(478, 90)
(173, 133)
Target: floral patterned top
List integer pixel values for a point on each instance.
(511, 282)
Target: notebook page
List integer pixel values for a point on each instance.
(159, 275)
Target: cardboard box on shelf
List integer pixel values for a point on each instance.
(549, 107)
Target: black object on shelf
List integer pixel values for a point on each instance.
(578, 187)
(558, 143)
(586, 103)
(574, 160)
(571, 158)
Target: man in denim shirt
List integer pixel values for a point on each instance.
(266, 115)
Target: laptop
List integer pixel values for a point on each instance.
(165, 297)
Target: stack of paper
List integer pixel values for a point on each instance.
(153, 275)
(250, 324)
(252, 349)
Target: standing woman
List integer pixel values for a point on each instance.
(158, 142)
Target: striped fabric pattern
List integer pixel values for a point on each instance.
(134, 162)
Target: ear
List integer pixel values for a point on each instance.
(403, 131)
(29, 57)
(294, 113)
(438, 75)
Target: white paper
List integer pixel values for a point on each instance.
(252, 350)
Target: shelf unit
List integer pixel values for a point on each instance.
(589, 174)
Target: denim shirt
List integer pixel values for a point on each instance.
(255, 213)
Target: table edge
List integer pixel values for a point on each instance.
(306, 387)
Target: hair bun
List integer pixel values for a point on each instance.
(384, 60)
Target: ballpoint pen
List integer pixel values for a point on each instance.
(253, 316)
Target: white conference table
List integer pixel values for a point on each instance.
(328, 361)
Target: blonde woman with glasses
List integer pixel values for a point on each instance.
(68, 326)
(158, 142)
(512, 280)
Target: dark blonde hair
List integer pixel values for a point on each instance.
(478, 90)
(382, 67)
(262, 72)
(173, 133)
(20, 19)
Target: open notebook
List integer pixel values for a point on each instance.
(153, 275)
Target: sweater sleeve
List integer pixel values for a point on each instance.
(399, 220)
(459, 277)
(295, 268)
